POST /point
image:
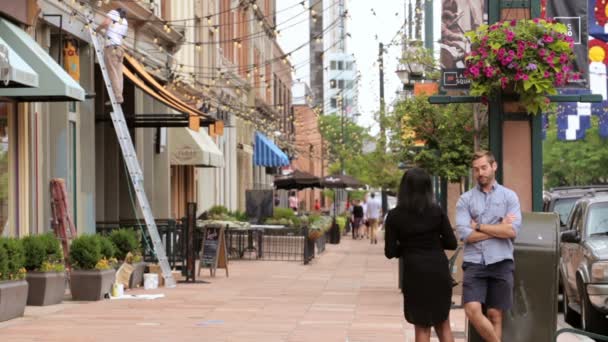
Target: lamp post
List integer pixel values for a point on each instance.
(410, 71)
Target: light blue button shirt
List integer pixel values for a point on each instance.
(487, 208)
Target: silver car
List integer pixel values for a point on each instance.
(584, 264)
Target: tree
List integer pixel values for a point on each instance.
(341, 146)
(576, 162)
(444, 135)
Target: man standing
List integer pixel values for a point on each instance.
(116, 27)
(374, 212)
(488, 218)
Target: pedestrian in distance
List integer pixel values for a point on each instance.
(357, 219)
(418, 231)
(374, 213)
(317, 205)
(488, 218)
(116, 26)
(293, 201)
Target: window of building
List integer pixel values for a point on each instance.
(333, 103)
(349, 65)
(340, 65)
(332, 65)
(340, 84)
(73, 169)
(350, 84)
(4, 166)
(332, 84)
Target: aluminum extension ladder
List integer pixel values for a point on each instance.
(130, 158)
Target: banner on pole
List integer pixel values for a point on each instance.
(457, 17)
(573, 14)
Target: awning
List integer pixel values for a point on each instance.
(54, 83)
(187, 147)
(266, 153)
(14, 71)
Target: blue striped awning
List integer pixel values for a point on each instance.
(266, 153)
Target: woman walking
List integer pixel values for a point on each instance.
(419, 231)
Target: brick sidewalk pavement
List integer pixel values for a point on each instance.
(346, 294)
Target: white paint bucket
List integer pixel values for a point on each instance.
(150, 281)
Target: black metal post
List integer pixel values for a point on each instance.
(190, 255)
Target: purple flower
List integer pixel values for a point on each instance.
(531, 67)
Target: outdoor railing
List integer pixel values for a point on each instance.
(170, 231)
(282, 244)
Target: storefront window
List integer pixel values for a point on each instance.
(4, 113)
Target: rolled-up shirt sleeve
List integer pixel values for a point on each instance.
(463, 218)
(513, 207)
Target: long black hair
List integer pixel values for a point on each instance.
(415, 191)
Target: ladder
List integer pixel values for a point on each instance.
(130, 158)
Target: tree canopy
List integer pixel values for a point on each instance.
(576, 162)
(438, 138)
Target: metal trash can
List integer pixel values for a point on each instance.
(534, 313)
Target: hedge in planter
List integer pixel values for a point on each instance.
(13, 289)
(127, 241)
(45, 270)
(93, 275)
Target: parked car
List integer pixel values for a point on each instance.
(584, 264)
(562, 199)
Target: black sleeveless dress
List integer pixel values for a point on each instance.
(420, 238)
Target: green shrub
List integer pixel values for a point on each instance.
(125, 240)
(281, 213)
(239, 216)
(52, 245)
(106, 247)
(35, 252)
(15, 258)
(341, 221)
(85, 252)
(42, 250)
(218, 210)
(3, 262)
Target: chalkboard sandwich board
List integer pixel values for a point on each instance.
(214, 253)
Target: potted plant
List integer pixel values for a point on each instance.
(13, 287)
(92, 275)
(128, 249)
(529, 57)
(45, 269)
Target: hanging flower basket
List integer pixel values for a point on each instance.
(531, 57)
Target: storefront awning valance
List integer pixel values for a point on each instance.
(266, 153)
(187, 147)
(133, 68)
(14, 71)
(54, 83)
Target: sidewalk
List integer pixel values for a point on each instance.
(349, 293)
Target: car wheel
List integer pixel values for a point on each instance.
(591, 320)
(570, 316)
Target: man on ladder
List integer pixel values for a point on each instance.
(116, 27)
(111, 70)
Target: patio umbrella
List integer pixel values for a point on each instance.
(297, 180)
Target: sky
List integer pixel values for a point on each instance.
(369, 24)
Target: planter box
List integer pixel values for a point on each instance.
(45, 288)
(13, 298)
(137, 277)
(91, 285)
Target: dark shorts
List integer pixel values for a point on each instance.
(491, 285)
